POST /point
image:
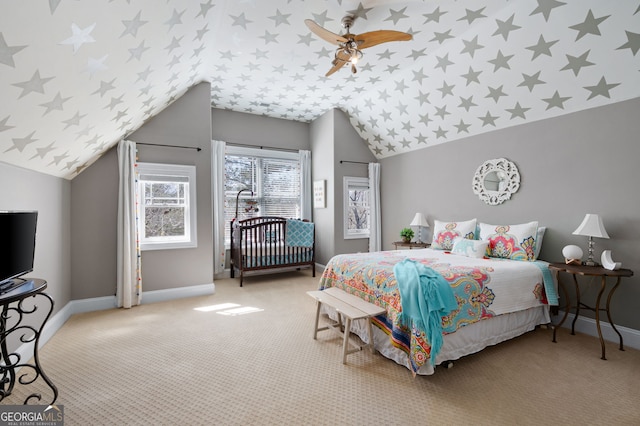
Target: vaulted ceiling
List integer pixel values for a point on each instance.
(77, 76)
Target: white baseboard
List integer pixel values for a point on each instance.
(630, 336)
(109, 302)
(177, 293)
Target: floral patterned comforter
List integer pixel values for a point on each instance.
(483, 289)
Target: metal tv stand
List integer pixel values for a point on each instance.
(19, 304)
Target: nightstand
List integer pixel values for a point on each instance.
(401, 245)
(591, 271)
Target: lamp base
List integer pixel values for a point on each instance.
(590, 259)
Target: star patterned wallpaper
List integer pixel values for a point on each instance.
(78, 76)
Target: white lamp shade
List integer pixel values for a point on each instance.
(591, 226)
(419, 220)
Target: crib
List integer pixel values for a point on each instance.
(263, 243)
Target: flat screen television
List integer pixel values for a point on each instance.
(18, 239)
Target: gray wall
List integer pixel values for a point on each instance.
(94, 209)
(323, 168)
(334, 139)
(257, 130)
(22, 189)
(586, 162)
(349, 146)
(186, 122)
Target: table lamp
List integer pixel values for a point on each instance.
(420, 222)
(591, 226)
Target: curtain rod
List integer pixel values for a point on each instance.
(353, 162)
(262, 147)
(197, 148)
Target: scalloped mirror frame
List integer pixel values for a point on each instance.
(510, 181)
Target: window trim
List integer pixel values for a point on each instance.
(261, 152)
(348, 183)
(171, 170)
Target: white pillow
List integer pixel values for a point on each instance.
(470, 248)
(444, 233)
(517, 242)
(539, 237)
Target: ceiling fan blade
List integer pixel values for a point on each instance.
(323, 33)
(382, 36)
(338, 62)
(336, 67)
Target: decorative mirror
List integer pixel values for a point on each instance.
(495, 181)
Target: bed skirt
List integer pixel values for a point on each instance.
(465, 341)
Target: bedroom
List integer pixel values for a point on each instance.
(572, 164)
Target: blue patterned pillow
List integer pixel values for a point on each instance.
(299, 233)
(470, 248)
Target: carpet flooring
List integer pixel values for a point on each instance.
(194, 361)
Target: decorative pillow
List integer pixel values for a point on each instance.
(539, 236)
(470, 248)
(445, 232)
(517, 242)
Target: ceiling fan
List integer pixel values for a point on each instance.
(350, 46)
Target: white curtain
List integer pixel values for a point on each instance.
(375, 237)
(217, 166)
(129, 279)
(306, 192)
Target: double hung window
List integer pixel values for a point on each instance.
(357, 209)
(270, 180)
(167, 206)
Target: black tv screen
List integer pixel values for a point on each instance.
(18, 238)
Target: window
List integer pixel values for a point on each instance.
(356, 207)
(274, 178)
(167, 195)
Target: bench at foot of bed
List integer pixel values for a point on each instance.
(351, 308)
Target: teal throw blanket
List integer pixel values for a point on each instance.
(425, 297)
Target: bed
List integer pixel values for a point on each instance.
(497, 299)
(271, 243)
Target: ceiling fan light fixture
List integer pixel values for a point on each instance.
(355, 56)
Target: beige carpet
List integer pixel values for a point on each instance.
(168, 364)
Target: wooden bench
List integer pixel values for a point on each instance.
(351, 308)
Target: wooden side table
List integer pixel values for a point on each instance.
(591, 271)
(410, 246)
